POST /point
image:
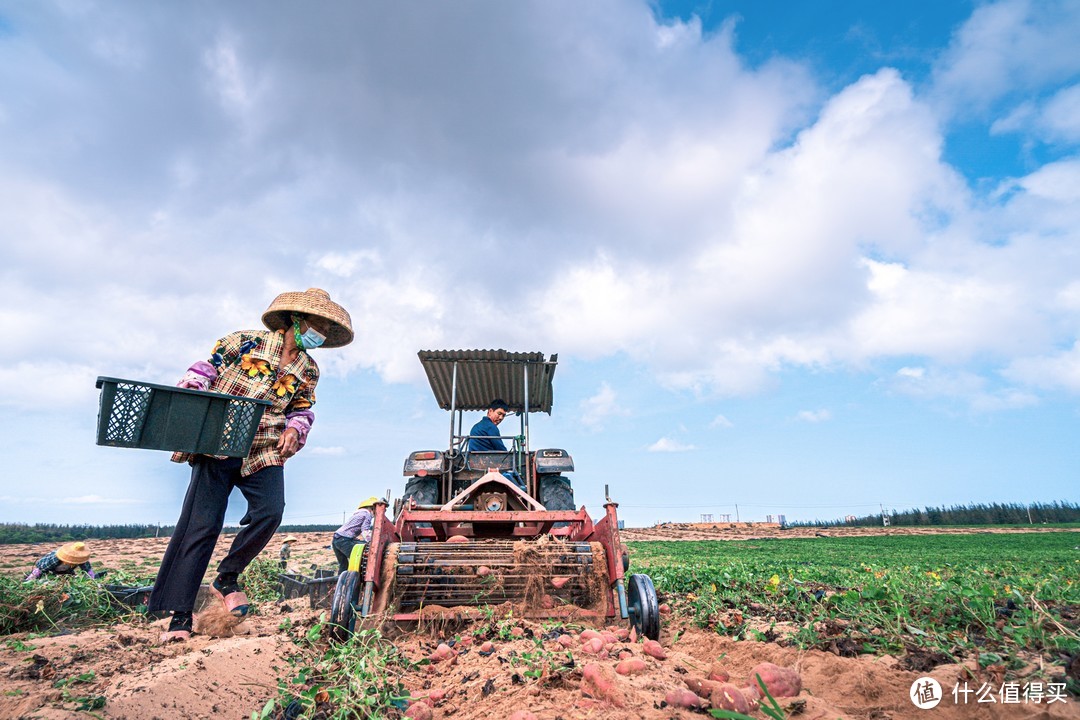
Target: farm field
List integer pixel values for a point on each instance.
(860, 618)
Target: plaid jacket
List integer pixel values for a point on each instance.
(248, 363)
(52, 564)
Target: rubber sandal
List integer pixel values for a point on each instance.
(180, 629)
(175, 636)
(235, 602)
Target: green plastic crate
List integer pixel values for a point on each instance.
(162, 417)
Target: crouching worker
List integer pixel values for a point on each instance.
(274, 365)
(64, 561)
(356, 531)
(286, 552)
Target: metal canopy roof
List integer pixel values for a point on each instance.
(484, 375)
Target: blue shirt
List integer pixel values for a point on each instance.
(489, 439)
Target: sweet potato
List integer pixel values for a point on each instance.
(630, 666)
(684, 699)
(559, 582)
(752, 695)
(483, 571)
(664, 609)
(419, 711)
(609, 637)
(457, 539)
(780, 681)
(566, 641)
(718, 673)
(703, 688)
(728, 697)
(587, 635)
(593, 646)
(443, 652)
(599, 682)
(655, 649)
(487, 648)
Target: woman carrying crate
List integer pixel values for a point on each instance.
(274, 365)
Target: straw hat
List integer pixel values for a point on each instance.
(75, 553)
(369, 502)
(289, 538)
(312, 301)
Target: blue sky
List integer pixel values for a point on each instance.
(803, 258)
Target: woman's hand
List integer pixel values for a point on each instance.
(289, 443)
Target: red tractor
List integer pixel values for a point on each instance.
(481, 529)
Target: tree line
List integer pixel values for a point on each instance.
(974, 514)
(11, 533)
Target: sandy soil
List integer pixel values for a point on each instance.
(234, 676)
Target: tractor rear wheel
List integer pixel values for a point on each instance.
(556, 494)
(425, 490)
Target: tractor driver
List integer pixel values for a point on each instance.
(485, 434)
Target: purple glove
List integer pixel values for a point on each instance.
(198, 376)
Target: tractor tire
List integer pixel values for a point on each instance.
(556, 494)
(424, 489)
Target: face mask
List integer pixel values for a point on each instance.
(311, 338)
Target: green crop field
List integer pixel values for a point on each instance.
(1005, 599)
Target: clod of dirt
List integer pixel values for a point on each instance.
(728, 697)
(654, 649)
(599, 682)
(215, 621)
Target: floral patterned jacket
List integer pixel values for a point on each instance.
(248, 363)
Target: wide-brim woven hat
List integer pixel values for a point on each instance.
(75, 553)
(312, 301)
(290, 538)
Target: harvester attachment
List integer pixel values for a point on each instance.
(455, 561)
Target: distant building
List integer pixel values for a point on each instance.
(706, 517)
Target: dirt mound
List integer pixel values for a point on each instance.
(121, 671)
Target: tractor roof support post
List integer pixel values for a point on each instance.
(448, 479)
(525, 371)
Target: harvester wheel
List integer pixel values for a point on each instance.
(643, 606)
(556, 494)
(343, 608)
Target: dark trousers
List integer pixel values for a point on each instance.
(192, 543)
(343, 547)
